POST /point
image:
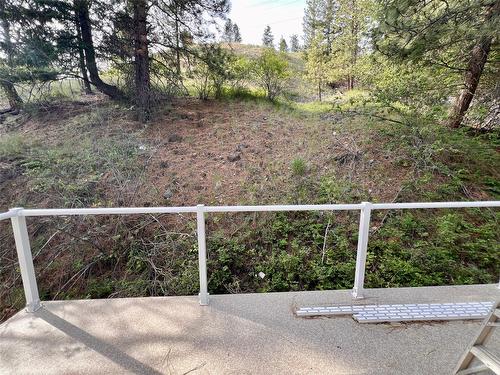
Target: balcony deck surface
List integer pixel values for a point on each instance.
(236, 334)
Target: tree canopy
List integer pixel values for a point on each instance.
(267, 37)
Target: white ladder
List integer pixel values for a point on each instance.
(477, 349)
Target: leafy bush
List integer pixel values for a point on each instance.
(271, 71)
(415, 249)
(201, 81)
(408, 90)
(240, 69)
(212, 70)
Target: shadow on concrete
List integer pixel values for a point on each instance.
(109, 351)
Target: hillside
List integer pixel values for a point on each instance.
(90, 152)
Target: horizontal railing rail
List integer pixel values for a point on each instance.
(271, 208)
(7, 215)
(21, 237)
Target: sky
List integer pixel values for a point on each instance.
(251, 16)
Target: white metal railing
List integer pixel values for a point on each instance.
(21, 237)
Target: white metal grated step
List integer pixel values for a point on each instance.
(404, 312)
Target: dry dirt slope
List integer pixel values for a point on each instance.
(215, 152)
(82, 154)
(229, 153)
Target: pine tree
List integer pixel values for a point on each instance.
(228, 31)
(329, 22)
(317, 64)
(459, 36)
(83, 13)
(177, 15)
(176, 23)
(45, 40)
(7, 63)
(141, 60)
(81, 56)
(321, 18)
(294, 43)
(283, 46)
(268, 38)
(236, 34)
(352, 19)
(312, 20)
(27, 54)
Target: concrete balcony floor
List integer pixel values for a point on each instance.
(236, 334)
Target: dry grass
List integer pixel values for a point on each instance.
(267, 141)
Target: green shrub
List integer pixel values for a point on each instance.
(419, 249)
(212, 70)
(271, 72)
(240, 69)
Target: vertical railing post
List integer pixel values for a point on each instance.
(202, 254)
(364, 229)
(25, 260)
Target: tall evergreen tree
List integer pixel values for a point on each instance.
(176, 11)
(62, 22)
(7, 63)
(320, 17)
(294, 43)
(352, 18)
(50, 39)
(267, 37)
(283, 45)
(329, 22)
(81, 55)
(317, 64)
(176, 24)
(231, 32)
(312, 20)
(27, 54)
(141, 60)
(83, 12)
(236, 34)
(457, 35)
(228, 35)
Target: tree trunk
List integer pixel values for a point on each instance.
(141, 53)
(81, 57)
(354, 58)
(471, 81)
(478, 57)
(15, 101)
(350, 81)
(82, 9)
(83, 70)
(177, 43)
(355, 40)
